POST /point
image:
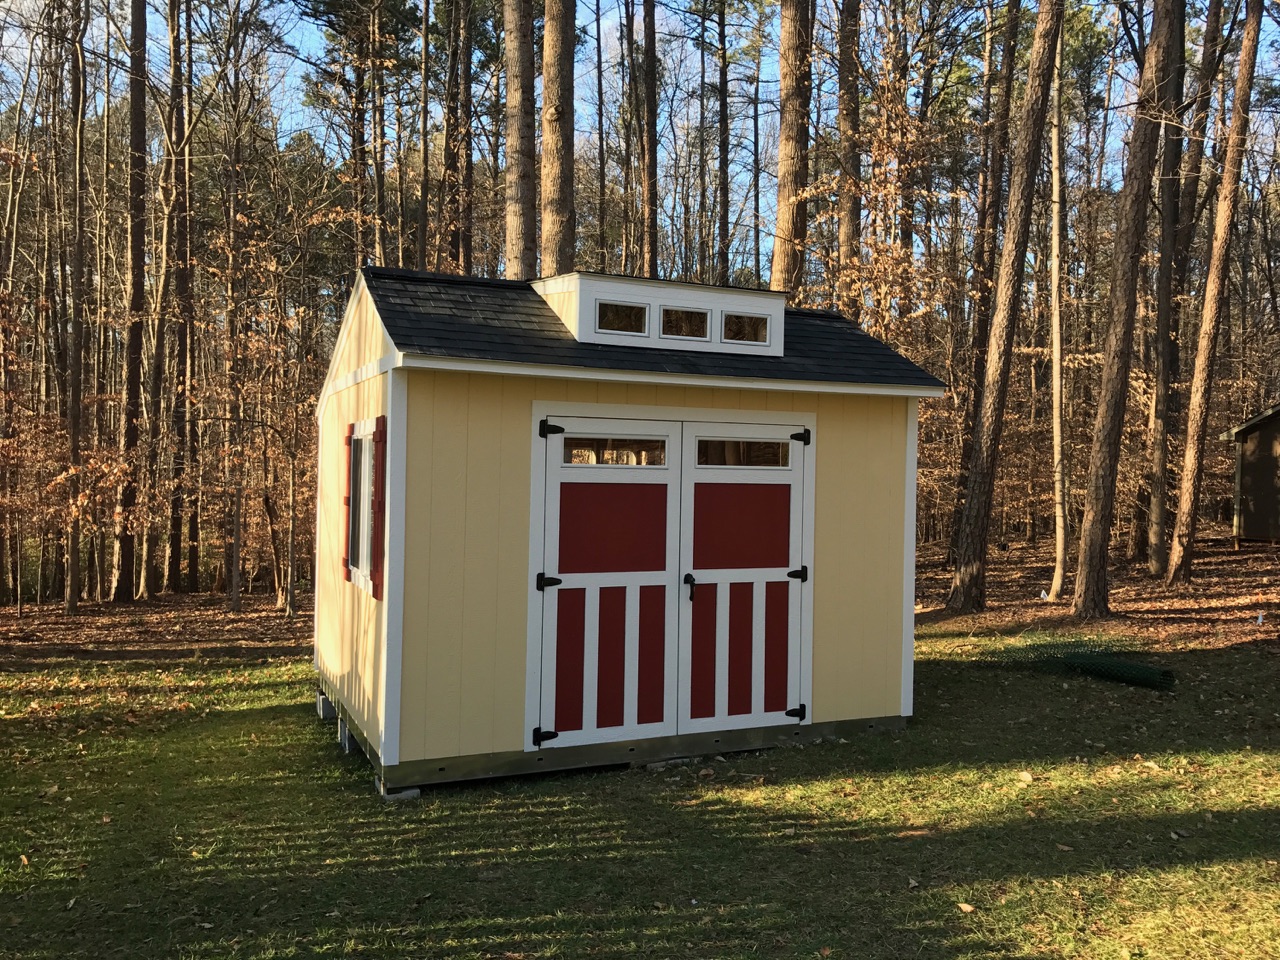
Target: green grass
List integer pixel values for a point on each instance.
(201, 810)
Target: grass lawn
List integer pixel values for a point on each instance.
(179, 799)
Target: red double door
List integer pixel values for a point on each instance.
(673, 579)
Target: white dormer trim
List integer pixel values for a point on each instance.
(575, 298)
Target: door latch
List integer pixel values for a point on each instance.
(688, 578)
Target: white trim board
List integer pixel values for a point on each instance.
(509, 368)
(909, 561)
(397, 451)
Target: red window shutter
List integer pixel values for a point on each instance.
(346, 507)
(377, 539)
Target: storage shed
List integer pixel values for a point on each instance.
(592, 519)
(1257, 494)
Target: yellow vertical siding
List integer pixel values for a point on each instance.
(349, 644)
(467, 543)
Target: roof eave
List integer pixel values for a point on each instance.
(506, 367)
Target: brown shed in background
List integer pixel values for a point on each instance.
(1257, 498)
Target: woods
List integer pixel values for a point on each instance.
(1065, 212)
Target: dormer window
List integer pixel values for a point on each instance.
(667, 315)
(746, 328)
(622, 318)
(682, 322)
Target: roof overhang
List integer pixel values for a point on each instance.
(414, 361)
(1234, 432)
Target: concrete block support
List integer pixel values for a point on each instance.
(346, 739)
(325, 709)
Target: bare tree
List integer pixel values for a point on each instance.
(968, 585)
(1184, 531)
(1057, 213)
(1091, 591)
(795, 78)
(522, 231)
(848, 112)
(649, 146)
(122, 574)
(75, 365)
(557, 139)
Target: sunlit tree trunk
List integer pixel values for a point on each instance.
(1091, 588)
(1184, 530)
(795, 78)
(1057, 213)
(122, 575)
(968, 585)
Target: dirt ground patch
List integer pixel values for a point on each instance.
(1232, 588)
(168, 628)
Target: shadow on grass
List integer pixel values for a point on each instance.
(244, 834)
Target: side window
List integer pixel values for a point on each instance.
(357, 505)
(365, 505)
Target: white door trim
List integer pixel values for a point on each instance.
(799, 592)
(641, 418)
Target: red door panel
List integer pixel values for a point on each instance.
(738, 525)
(702, 673)
(613, 527)
(570, 639)
(651, 670)
(611, 666)
(777, 619)
(740, 661)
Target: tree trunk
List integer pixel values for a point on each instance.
(1091, 590)
(795, 77)
(722, 153)
(1057, 213)
(1184, 531)
(850, 190)
(1158, 441)
(183, 294)
(122, 574)
(424, 134)
(990, 202)
(557, 139)
(522, 228)
(649, 147)
(79, 228)
(968, 585)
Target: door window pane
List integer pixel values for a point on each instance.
(621, 317)
(684, 323)
(744, 453)
(612, 452)
(745, 327)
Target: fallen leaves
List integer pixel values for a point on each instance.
(966, 907)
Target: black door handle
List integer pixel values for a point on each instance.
(688, 578)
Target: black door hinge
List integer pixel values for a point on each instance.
(798, 712)
(541, 736)
(804, 436)
(802, 574)
(544, 581)
(546, 428)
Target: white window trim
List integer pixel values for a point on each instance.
(709, 314)
(361, 573)
(748, 344)
(605, 301)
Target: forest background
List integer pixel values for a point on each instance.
(1067, 213)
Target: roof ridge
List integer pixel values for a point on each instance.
(436, 277)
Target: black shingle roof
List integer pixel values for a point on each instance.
(476, 319)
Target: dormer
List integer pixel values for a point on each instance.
(666, 314)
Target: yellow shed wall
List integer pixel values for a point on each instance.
(349, 641)
(467, 544)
